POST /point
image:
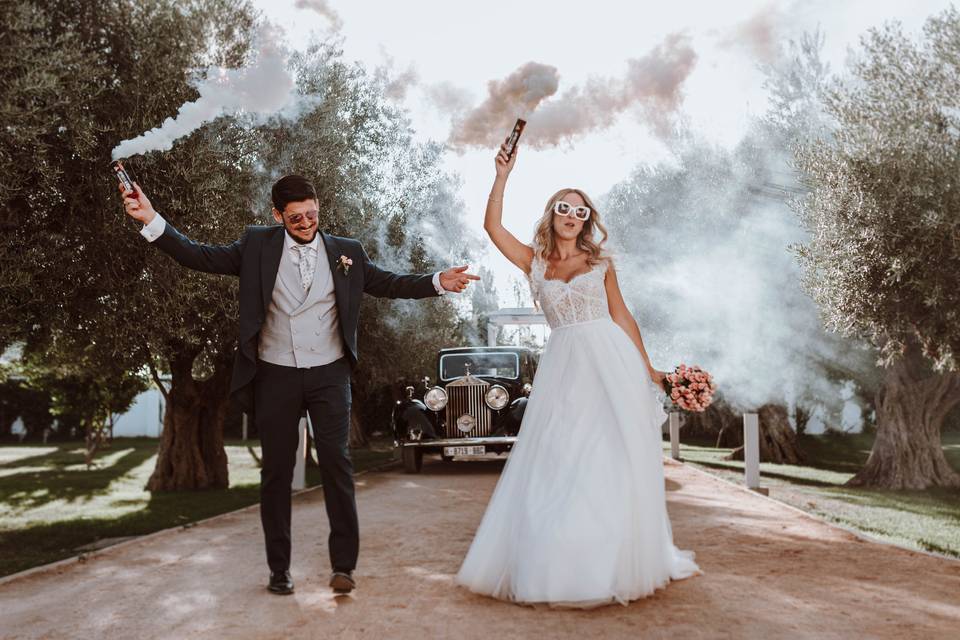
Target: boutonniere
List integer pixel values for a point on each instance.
(344, 264)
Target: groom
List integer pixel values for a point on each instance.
(300, 293)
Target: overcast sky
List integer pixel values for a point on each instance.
(705, 53)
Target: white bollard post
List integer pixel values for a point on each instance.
(751, 452)
(244, 426)
(675, 435)
(300, 468)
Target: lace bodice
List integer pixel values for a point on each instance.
(582, 299)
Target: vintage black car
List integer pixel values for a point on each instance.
(474, 408)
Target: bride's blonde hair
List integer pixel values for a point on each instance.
(591, 238)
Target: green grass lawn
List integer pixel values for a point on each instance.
(50, 504)
(927, 520)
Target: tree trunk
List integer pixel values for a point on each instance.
(710, 423)
(801, 416)
(92, 440)
(911, 407)
(191, 454)
(358, 438)
(778, 441)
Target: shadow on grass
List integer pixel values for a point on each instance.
(786, 477)
(59, 481)
(43, 543)
(929, 519)
(938, 503)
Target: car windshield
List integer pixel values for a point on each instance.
(498, 364)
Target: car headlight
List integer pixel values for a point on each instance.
(496, 397)
(466, 423)
(435, 398)
(527, 388)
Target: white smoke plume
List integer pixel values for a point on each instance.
(263, 90)
(652, 84)
(701, 246)
(448, 98)
(323, 8)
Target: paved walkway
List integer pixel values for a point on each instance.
(770, 571)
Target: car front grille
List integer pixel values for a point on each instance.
(466, 396)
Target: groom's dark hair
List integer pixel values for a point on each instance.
(291, 188)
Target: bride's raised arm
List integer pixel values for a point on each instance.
(514, 250)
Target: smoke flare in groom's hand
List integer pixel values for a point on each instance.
(125, 181)
(137, 204)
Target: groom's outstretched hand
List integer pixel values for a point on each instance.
(137, 205)
(456, 279)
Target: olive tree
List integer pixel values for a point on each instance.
(78, 284)
(883, 256)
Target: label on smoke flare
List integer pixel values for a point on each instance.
(514, 136)
(123, 177)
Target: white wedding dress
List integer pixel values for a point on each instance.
(578, 517)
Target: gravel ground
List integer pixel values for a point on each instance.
(769, 571)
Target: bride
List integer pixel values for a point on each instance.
(578, 517)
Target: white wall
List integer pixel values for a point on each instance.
(145, 417)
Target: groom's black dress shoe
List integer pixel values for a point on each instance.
(342, 582)
(280, 583)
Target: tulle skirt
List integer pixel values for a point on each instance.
(578, 517)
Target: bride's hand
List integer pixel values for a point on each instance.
(658, 377)
(504, 166)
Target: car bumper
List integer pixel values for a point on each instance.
(460, 442)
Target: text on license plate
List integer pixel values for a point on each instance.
(474, 450)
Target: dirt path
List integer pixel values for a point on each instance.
(770, 571)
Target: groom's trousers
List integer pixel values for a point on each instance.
(280, 395)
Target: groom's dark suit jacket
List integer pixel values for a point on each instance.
(255, 258)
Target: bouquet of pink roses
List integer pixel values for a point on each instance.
(690, 388)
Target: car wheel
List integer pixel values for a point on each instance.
(412, 459)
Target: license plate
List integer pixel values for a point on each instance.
(473, 450)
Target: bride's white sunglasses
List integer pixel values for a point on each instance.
(562, 208)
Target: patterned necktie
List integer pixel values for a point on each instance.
(308, 264)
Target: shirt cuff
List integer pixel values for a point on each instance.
(436, 283)
(155, 229)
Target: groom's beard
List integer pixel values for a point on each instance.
(298, 239)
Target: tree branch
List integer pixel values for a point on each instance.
(156, 379)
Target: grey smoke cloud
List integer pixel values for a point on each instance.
(264, 89)
(396, 84)
(323, 8)
(652, 84)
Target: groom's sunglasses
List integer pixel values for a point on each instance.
(562, 208)
(295, 218)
